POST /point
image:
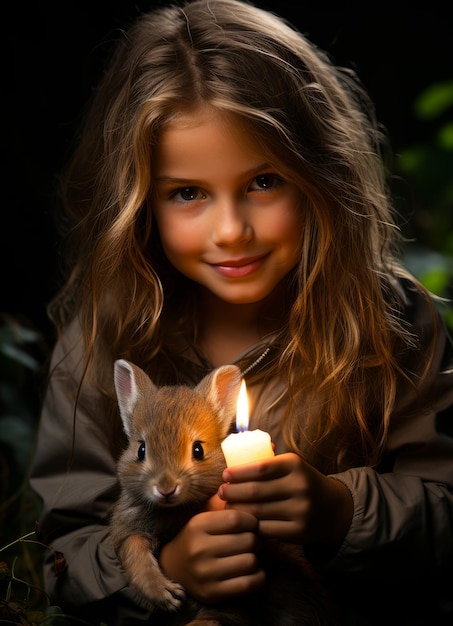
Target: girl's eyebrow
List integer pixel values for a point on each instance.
(173, 180)
(176, 180)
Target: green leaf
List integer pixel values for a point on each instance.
(445, 136)
(434, 101)
(436, 280)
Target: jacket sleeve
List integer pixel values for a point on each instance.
(402, 526)
(73, 472)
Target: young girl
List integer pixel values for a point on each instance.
(227, 203)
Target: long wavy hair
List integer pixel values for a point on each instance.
(343, 353)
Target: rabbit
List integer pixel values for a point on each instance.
(171, 467)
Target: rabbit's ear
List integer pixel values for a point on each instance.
(130, 384)
(221, 389)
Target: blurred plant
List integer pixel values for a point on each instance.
(23, 353)
(428, 167)
(22, 602)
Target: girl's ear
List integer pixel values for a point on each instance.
(221, 389)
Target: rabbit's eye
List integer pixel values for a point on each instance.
(197, 450)
(141, 452)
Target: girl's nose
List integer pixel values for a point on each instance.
(231, 224)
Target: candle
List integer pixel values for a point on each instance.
(246, 446)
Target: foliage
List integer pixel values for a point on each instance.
(428, 167)
(22, 601)
(23, 353)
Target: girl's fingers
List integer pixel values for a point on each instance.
(261, 470)
(253, 492)
(213, 590)
(225, 521)
(225, 546)
(234, 566)
(215, 503)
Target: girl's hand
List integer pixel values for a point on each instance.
(214, 555)
(291, 499)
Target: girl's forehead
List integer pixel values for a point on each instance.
(192, 130)
(206, 141)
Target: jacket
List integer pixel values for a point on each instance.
(395, 565)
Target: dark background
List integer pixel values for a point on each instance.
(57, 51)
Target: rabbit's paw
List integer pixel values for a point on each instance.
(172, 596)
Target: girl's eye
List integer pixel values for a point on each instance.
(141, 452)
(188, 194)
(265, 181)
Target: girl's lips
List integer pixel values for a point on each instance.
(236, 268)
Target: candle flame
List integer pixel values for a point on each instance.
(242, 408)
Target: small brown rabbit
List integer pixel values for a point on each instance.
(172, 466)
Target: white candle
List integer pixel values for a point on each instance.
(246, 446)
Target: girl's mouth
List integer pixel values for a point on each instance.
(236, 268)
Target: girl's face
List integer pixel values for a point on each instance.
(226, 219)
